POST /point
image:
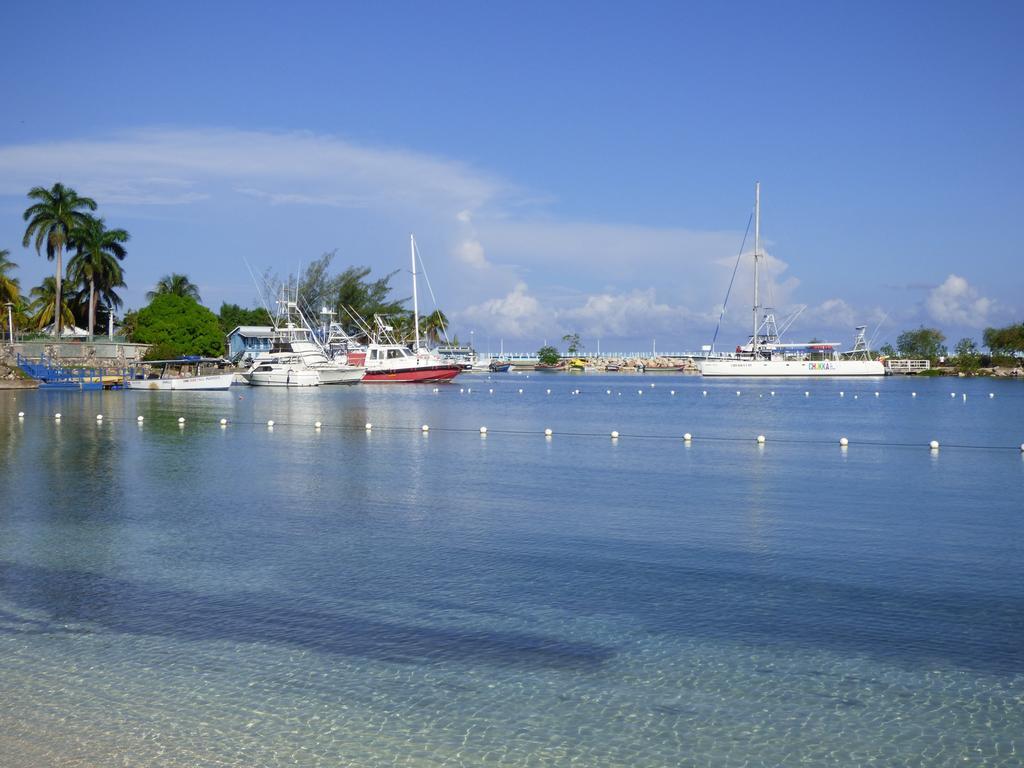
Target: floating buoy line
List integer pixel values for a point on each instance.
(688, 438)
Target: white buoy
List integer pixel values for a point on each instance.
(991, 395)
(483, 430)
(737, 393)
(140, 419)
(425, 428)
(615, 434)
(672, 392)
(520, 391)
(1022, 447)
(490, 391)
(773, 393)
(549, 391)
(807, 394)
(223, 422)
(461, 390)
(652, 386)
(469, 390)
(437, 389)
(181, 419)
(687, 437)
(965, 396)
(856, 397)
(760, 439)
(876, 394)
(913, 394)
(368, 426)
(317, 425)
(934, 445)
(548, 432)
(761, 395)
(952, 394)
(843, 442)
(270, 422)
(842, 394)
(704, 393)
(99, 417)
(56, 417)
(607, 391)
(21, 414)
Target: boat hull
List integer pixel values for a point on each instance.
(419, 375)
(340, 375)
(215, 382)
(293, 378)
(792, 368)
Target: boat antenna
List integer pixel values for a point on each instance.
(757, 250)
(736, 266)
(259, 292)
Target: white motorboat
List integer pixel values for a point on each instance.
(187, 373)
(766, 355)
(281, 370)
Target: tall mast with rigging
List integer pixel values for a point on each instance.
(415, 298)
(757, 251)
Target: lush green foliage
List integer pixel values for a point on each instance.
(1007, 342)
(95, 266)
(10, 289)
(55, 213)
(175, 285)
(968, 358)
(43, 300)
(922, 344)
(548, 355)
(433, 326)
(350, 290)
(179, 325)
(231, 316)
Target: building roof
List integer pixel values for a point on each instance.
(253, 331)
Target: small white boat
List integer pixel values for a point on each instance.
(282, 371)
(188, 373)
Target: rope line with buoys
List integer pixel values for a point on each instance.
(761, 440)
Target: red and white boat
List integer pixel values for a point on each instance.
(389, 362)
(397, 364)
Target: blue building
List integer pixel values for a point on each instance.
(247, 341)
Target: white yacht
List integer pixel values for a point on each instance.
(187, 373)
(281, 370)
(766, 355)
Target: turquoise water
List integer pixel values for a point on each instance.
(197, 595)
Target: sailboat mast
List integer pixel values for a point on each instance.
(757, 252)
(415, 298)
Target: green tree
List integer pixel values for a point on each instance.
(56, 212)
(367, 298)
(175, 285)
(1006, 342)
(548, 355)
(10, 289)
(433, 326)
(968, 358)
(179, 325)
(43, 301)
(231, 316)
(923, 343)
(96, 263)
(887, 350)
(573, 342)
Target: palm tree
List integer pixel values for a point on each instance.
(433, 325)
(10, 291)
(176, 284)
(95, 263)
(44, 301)
(56, 212)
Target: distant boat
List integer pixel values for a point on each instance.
(559, 366)
(184, 373)
(499, 366)
(766, 355)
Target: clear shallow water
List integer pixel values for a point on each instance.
(243, 596)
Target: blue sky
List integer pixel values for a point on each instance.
(582, 167)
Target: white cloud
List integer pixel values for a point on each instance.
(957, 302)
(471, 252)
(515, 315)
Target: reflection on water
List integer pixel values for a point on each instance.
(243, 596)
